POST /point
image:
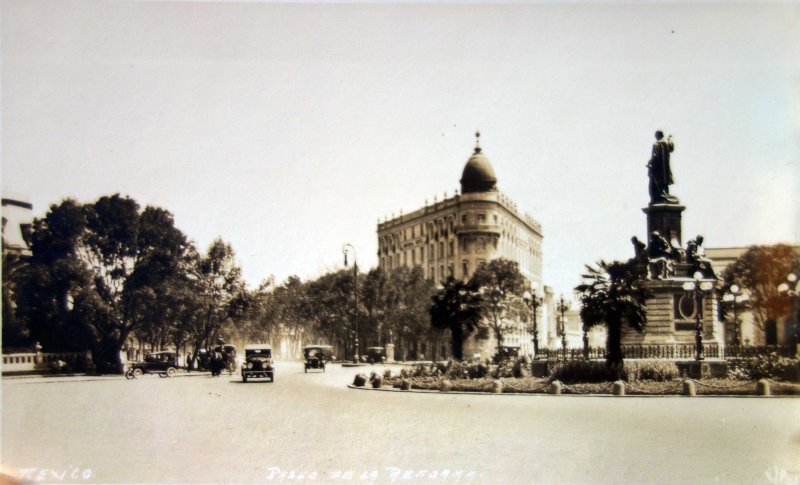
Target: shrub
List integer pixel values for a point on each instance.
(456, 370)
(769, 366)
(650, 370)
(477, 370)
(583, 371)
(503, 369)
(510, 366)
(522, 367)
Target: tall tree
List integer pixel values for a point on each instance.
(260, 322)
(221, 293)
(288, 311)
(330, 308)
(501, 286)
(374, 295)
(95, 269)
(612, 294)
(55, 273)
(761, 269)
(407, 305)
(456, 307)
(15, 332)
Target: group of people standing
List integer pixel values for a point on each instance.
(216, 360)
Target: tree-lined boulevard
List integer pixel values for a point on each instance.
(198, 429)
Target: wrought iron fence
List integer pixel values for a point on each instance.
(664, 351)
(759, 350)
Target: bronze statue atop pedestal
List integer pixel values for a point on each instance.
(660, 172)
(695, 257)
(660, 257)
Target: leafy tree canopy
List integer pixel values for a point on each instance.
(456, 307)
(610, 295)
(760, 270)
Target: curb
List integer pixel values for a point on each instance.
(87, 377)
(546, 394)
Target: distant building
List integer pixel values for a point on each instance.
(452, 237)
(17, 226)
(781, 333)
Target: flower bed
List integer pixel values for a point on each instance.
(534, 385)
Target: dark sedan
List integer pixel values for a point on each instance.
(258, 362)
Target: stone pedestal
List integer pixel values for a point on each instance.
(39, 358)
(671, 318)
(390, 353)
(666, 219)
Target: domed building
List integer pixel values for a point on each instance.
(453, 236)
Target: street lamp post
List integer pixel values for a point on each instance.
(347, 248)
(697, 288)
(563, 307)
(791, 287)
(733, 297)
(535, 301)
(586, 342)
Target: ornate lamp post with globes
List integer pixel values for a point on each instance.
(535, 301)
(698, 288)
(791, 287)
(346, 249)
(585, 342)
(563, 307)
(733, 296)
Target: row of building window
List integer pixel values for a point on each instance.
(444, 230)
(442, 273)
(481, 246)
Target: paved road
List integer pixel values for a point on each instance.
(311, 426)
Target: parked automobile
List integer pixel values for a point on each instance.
(162, 363)
(375, 355)
(258, 362)
(317, 356)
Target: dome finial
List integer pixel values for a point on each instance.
(477, 141)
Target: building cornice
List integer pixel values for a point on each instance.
(455, 202)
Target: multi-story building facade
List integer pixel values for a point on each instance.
(779, 332)
(452, 237)
(17, 225)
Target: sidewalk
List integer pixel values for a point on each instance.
(77, 376)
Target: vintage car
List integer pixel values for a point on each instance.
(375, 355)
(162, 363)
(258, 362)
(317, 356)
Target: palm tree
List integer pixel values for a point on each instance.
(611, 294)
(457, 307)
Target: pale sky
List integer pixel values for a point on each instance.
(290, 130)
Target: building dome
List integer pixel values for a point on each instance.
(478, 175)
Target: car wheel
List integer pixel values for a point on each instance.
(137, 373)
(244, 378)
(162, 374)
(171, 372)
(306, 369)
(272, 377)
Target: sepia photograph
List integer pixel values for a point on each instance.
(412, 242)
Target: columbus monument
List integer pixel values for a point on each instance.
(682, 306)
